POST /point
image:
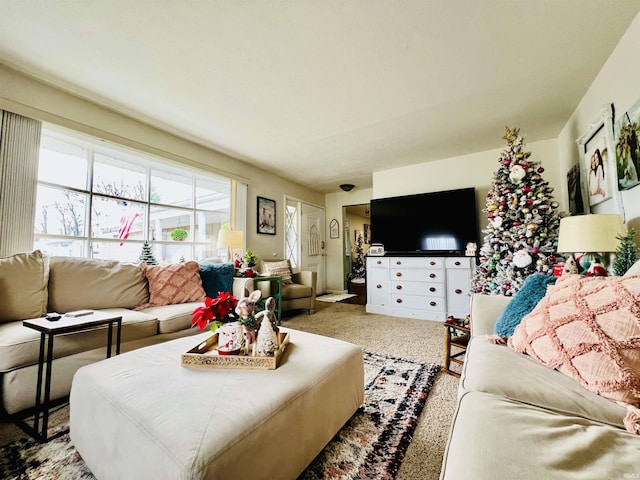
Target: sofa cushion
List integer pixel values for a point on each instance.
(498, 438)
(280, 269)
(532, 291)
(295, 290)
(173, 318)
(176, 283)
(498, 370)
(589, 329)
(88, 283)
(216, 278)
(19, 345)
(23, 286)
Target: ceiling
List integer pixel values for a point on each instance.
(324, 92)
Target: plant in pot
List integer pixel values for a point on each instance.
(178, 234)
(250, 261)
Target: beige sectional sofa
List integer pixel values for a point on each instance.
(517, 418)
(32, 284)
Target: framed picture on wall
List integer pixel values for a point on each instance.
(367, 233)
(598, 161)
(334, 229)
(266, 215)
(575, 188)
(627, 145)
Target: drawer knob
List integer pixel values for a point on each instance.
(458, 291)
(433, 304)
(379, 262)
(432, 289)
(458, 263)
(398, 274)
(433, 275)
(378, 286)
(398, 262)
(398, 287)
(398, 300)
(432, 263)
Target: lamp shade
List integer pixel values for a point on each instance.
(590, 233)
(231, 239)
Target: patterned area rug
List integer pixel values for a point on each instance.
(371, 445)
(334, 297)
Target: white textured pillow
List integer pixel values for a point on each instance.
(280, 269)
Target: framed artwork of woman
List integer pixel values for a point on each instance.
(598, 165)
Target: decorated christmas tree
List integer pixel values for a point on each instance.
(358, 268)
(147, 254)
(520, 238)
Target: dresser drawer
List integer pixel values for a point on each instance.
(419, 262)
(377, 262)
(418, 288)
(458, 262)
(416, 275)
(418, 302)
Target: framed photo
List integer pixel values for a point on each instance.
(266, 216)
(334, 229)
(575, 187)
(367, 233)
(598, 161)
(627, 145)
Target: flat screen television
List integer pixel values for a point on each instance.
(436, 223)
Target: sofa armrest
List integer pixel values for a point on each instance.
(307, 278)
(485, 310)
(240, 284)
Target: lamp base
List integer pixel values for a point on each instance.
(587, 259)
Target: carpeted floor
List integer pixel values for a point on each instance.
(417, 340)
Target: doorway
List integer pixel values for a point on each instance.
(305, 239)
(357, 239)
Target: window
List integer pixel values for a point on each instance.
(103, 201)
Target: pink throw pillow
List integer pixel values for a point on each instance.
(588, 328)
(172, 284)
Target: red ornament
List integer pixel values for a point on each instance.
(540, 170)
(525, 166)
(526, 189)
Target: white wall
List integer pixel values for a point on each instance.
(28, 97)
(473, 170)
(619, 83)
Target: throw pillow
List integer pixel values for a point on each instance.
(588, 328)
(24, 281)
(172, 284)
(216, 278)
(280, 269)
(525, 300)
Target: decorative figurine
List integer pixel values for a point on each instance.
(267, 339)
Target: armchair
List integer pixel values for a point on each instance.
(298, 295)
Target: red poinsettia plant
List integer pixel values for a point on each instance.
(218, 310)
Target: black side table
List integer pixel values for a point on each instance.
(48, 330)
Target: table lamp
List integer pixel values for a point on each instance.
(591, 235)
(230, 240)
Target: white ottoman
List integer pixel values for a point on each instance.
(142, 415)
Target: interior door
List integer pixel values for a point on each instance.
(312, 243)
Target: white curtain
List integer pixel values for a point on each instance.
(19, 150)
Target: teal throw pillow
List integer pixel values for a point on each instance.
(216, 278)
(523, 302)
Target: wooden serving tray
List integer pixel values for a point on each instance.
(205, 355)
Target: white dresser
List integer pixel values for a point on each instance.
(428, 288)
